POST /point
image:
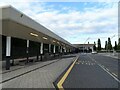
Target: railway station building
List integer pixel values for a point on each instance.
(22, 37)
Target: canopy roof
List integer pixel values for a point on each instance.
(10, 13)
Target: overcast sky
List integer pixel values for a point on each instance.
(74, 21)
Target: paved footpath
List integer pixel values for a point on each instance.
(39, 75)
(112, 55)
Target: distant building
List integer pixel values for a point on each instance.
(84, 47)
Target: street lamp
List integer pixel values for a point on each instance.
(85, 42)
(113, 36)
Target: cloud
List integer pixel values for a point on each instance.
(70, 23)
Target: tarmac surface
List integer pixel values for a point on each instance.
(93, 71)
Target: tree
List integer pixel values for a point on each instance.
(109, 44)
(118, 47)
(94, 47)
(106, 45)
(115, 47)
(99, 45)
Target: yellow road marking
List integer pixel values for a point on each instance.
(59, 84)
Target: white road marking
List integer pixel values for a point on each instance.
(106, 70)
(110, 74)
(114, 74)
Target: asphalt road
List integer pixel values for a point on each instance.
(93, 71)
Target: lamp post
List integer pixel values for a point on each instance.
(85, 42)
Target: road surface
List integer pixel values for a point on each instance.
(93, 71)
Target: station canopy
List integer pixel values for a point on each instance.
(17, 24)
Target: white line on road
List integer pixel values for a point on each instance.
(114, 74)
(106, 70)
(110, 74)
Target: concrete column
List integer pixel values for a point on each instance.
(58, 48)
(61, 49)
(8, 52)
(92, 49)
(49, 48)
(65, 49)
(27, 51)
(41, 48)
(38, 53)
(54, 49)
(28, 43)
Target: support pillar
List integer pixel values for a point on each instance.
(92, 49)
(27, 51)
(37, 55)
(54, 50)
(65, 50)
(49, 48)
(61, 49)
(41, 50)
(8, 52)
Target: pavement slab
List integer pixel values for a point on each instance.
(39, 78)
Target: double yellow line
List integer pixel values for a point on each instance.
(59, 84)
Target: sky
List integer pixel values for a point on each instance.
(74, 21)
